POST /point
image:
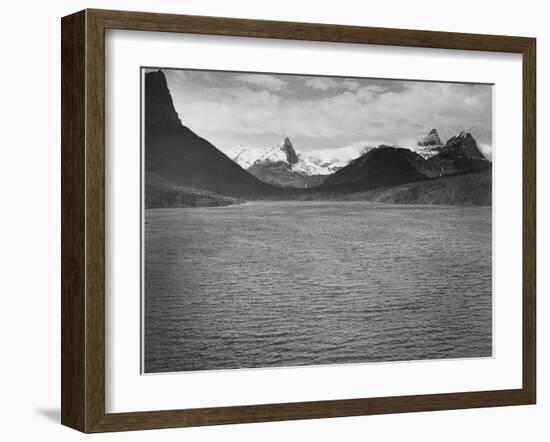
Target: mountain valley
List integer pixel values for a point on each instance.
(183, 169)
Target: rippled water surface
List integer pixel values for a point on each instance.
(269, 284)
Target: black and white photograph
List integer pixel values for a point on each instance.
(257, 221)
(294, 220)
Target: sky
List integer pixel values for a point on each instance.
(326, 113)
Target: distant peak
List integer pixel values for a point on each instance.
(159, 106)
(464, 136)
(465, 143)
(288, 149)
(432, 139)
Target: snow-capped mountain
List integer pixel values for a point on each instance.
(393, 165)
(241, 154)
(285, 154)
(326, 167)
(244, 156)
(429, 146)
(432, 139)
(283, 166)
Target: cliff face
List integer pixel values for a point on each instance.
(460, 154)
(288, 149)
(175, 153)
(432, 139)
(159, 107)
(463, 144)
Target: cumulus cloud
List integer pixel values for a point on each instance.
(325, 83)
(262, 80)
(348, 152)
(324, 113)
(351, 84)
(321, 83)
(486, 149)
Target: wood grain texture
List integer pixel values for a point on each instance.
(144, 21)
(95, 222)
(73, 129)
(83, 220)
(529, 220)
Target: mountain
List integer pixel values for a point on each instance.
(281, 153)
(175, 153)
(429, 146)
(383, 166)
(184, 170)
(390, 165)
(284, 153)
(432, 139)
(243, 155)
(328, 166)
(281, 165)
(460, 154)
(321, 162)
(463, 144)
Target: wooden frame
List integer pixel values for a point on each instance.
(83, 216)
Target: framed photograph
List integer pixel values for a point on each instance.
(266, 221)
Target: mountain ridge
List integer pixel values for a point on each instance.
(282, 165)
(382, 166)
(391, 165)
(176, 153)
(183, 169)
(283, 152)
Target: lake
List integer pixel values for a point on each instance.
(271, 284)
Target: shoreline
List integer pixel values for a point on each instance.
(373, 204)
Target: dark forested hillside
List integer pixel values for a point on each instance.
(383, 166)
(472, 189)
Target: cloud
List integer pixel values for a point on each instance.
(262, 80)
(367, 93)
(321, 83)
(351, 84)
(348, 152)
(176, 75)
(324, 83)
(230, 109)
(487, 150)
